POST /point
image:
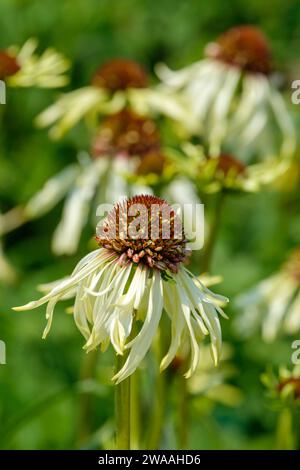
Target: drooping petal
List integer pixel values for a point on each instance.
(69, 109)
(141, 343)
(277, 308)
(51, 193)
(76, 210)
(177, 323)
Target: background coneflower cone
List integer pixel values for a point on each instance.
(245, 47)
(127, 134)
(120, 74)
(161, 253)
(8, 65)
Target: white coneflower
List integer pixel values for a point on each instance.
(228, 171)
(117, 84)
(285, 384)
(232, 97)
(273, 304)
(132, 279)
(22, 67)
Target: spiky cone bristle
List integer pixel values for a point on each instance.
(158, 252)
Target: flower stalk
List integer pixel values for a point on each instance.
(122, 409)
(157, 420)
(183, 413)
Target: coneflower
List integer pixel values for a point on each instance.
(120, 74)
(131, 279)
(117, 84)
(125, 133)
(284, 393)
(8, 64)
(108, 93)
(228, 171)
(23, 67)
(231, 95)
(244, 47)
(284, 385)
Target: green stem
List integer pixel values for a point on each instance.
(214, 229)
(122, 394)
(134, 411)
(285, 435)
(87, 372)
(157, 420)
(183, 416)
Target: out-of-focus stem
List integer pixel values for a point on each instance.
(158, 414)
(183, 413)
(285, 434)
(85, 399)
(135, 418)
(122, 397)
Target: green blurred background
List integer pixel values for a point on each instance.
(41, 399)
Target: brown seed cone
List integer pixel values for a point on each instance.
(8, 65)
(126, 133)
(163, 250)
(120, 74)
(245, 47)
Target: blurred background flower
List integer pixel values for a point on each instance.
(23, 67)
(232, 98)
(274, 304)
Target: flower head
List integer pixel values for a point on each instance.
(212, 174)
(274, 303)
(284, 386)
(230, 97)
(23, 67)
(118, 285)
(119, 84)
(245, 47)
(155, 215)
(8, 64)
(126, 133)
(120, 74)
